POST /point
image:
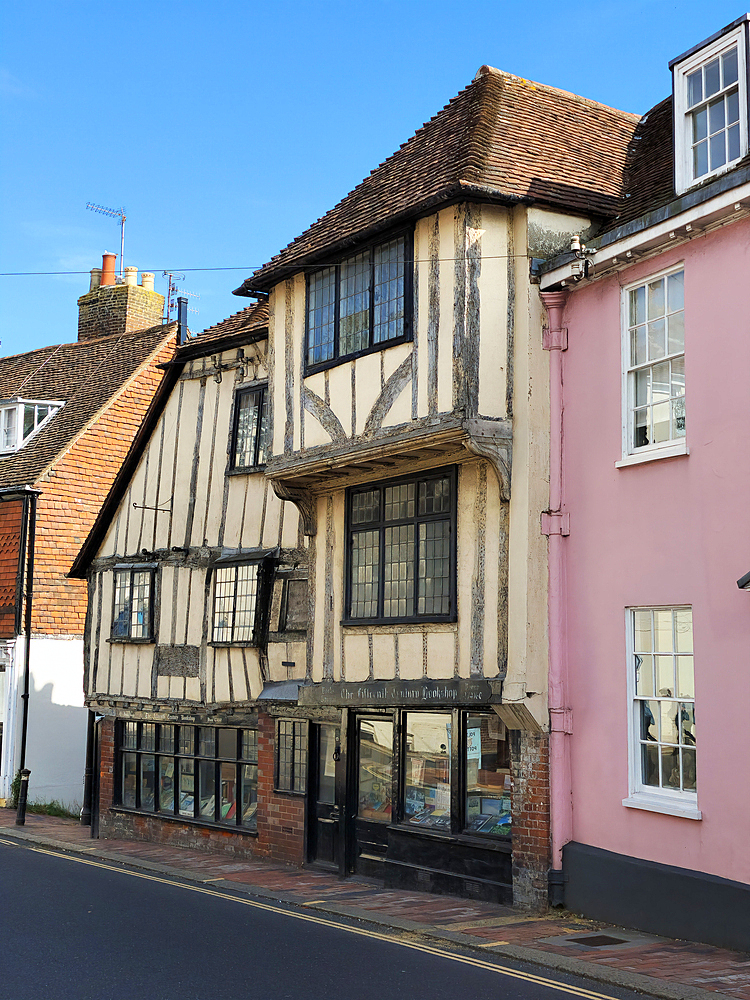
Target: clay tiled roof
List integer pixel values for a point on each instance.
(502, 138)
(85, 376)
(246, 321)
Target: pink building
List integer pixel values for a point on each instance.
(649, 337)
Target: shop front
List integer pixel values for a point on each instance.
(414, 786)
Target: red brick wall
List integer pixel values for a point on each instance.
(531, 818)
(281, 816)
(72, 494)
(117, 309)
(11, 516)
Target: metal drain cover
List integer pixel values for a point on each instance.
(597, 940)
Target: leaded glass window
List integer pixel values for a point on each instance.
(402, 549)
(291, 756)
(235, 596)
(250, 437)
(132, 615)
(360, 304)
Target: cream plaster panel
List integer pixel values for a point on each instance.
(106, 582)
(107, 548)
(197, 607)
(165, 585)
(393, 357)
(527, 570)
(127, 676)
(163, 686)
(466, 560)
(163, 481)
(367, 386)
(491, 571)
(290, 533)
(410, 655)
(422, 271)
(315, 433)
(440, 654)
(357, 657)
(239, 684)
(192, 689)
(181, 608)
(221, 675)
(176, 688)
(130, 543)
(204, 462)
(219, 441)
(317, 384)
(550, 232)
(277, 652)
(144, 675)
(276, 336)
(448, 251)
(185, 447)
(493, 294)
(340, 387)
(383, 657)
(298, 327)
(337, 583)
(400, 412)
(236, 501)
(322, 601)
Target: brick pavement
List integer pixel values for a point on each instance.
(674, 968)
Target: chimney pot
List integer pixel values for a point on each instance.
(131, 275)
(96, 278)
(147, 281)
(108, 268)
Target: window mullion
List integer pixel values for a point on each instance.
(371, 309)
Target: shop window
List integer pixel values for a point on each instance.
(488, 782)
(203, 773)
(291, 756)
(401, 549)
(132, 618)
(375, 779)
(427, 763)
(654, 347)
(663, 733)
(250, 429)
(361, 304)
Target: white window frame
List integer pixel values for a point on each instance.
(18, 405)
(673, 802)
(684, 179)
(631, 454)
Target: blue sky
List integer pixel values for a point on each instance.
(226, 128)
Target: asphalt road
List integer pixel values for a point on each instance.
(80, 929)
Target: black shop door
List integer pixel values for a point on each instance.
(324, 824)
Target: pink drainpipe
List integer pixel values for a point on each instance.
(555, 524)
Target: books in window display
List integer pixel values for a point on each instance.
(429, 817)
(498, 824)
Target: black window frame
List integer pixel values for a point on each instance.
(265, 571)
(408, 332)
(291, 780)
(261, 441)
(451, 615)
(149, 637)
(176, 754)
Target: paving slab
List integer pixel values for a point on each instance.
(660, 967)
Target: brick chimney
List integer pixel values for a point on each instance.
(109, 308)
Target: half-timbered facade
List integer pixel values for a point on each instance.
(318, 595)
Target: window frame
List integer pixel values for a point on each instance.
(265, 567)
(683, 166)
(261, 442)
(450, 472)
(681, 802)
(296, 784)
(673, 445)
(408, 332)
(177, 755)
(131, 570)
(18, 405)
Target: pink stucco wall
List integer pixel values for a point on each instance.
(669, 532)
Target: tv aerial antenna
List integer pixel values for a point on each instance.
(113, 213)
(173, 292)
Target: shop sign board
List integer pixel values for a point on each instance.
(371, 694)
